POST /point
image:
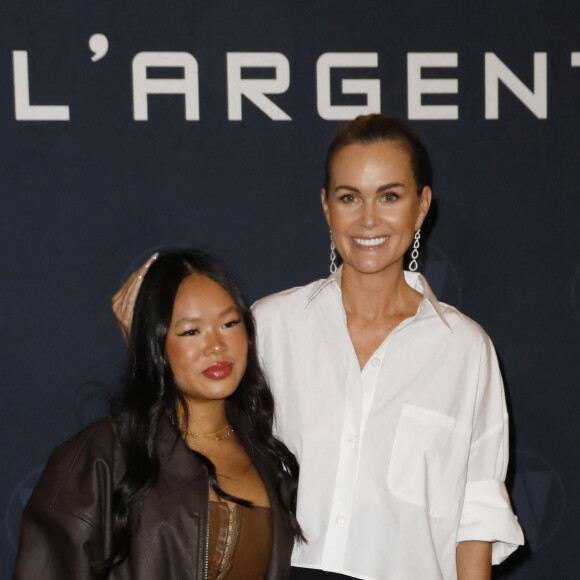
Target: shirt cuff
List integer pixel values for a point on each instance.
(487, 516)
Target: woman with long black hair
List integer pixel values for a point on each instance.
(185, 480)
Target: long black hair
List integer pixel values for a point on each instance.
(151, 393)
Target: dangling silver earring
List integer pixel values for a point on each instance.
(333, 266)
(415, 253)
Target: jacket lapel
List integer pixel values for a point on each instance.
(179, 464)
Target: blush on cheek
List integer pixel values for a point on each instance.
(180, 358)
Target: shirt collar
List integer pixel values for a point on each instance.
(419, 282)
(332, 279)
(416, 280)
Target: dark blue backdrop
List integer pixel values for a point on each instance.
(85, 200)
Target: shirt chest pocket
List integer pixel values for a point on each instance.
(429, 461)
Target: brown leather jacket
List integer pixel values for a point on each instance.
(66, 525)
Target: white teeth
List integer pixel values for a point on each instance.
(371, 241)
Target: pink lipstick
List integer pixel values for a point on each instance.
(218, 370)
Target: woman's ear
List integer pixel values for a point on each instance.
(324, 200)
(424, 205)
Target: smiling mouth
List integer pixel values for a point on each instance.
(370, 242)
(219, 370)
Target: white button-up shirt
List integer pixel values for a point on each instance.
(398, 462)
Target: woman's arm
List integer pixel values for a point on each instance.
(487, 515)
(473, 560)
(55, 545)
(66, 524)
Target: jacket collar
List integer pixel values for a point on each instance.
(179, 465)
(414, 279)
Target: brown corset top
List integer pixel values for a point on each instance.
(240, 541)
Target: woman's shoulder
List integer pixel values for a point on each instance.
(98, 439)
(463, 327)
(90, 454)
(288, 300)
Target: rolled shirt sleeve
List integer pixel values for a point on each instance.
(487, 513)
(487, 516)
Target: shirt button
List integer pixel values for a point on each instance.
(352, 437)
(375, 362)
(340, 519)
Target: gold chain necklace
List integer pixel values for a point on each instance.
(217, 435)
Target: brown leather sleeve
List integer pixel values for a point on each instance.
(64, 527)
(54, 545)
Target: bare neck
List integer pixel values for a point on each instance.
(375, 304)
(206, 416)
(379, 295)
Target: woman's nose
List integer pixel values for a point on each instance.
(215, 344)
(369, 214)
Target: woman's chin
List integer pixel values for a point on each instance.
(370, 266)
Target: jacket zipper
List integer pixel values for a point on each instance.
(206, 571)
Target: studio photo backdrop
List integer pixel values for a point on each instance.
(129, 126)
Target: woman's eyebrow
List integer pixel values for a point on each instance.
(228, 310)
(390, 186)
(347, 187)
(225, 312)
